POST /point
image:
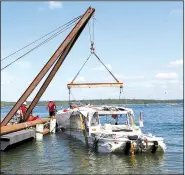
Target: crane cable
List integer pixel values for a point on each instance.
(73, 20)
(81, 68)
(90, 53)
(45, 41)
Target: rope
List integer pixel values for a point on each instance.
(45, 41)
(81, 67)
(41, 37)
(106, 67)
(73, 96)
(70, 93)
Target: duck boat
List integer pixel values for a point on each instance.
(88, 124)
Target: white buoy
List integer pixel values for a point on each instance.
(52, 127)
(39, 131)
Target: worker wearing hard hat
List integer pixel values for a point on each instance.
(23, 109)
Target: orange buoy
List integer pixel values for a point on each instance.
(29, 119)
(32, 118)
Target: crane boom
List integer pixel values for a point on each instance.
(78, 27)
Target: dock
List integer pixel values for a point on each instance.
(16, 137)
(19, 133)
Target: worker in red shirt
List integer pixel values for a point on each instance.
(23, 108)
(51, 108)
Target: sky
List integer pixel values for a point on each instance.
(140, 42)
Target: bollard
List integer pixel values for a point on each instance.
(39, 131)
(52, 127)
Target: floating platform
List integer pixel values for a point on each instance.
(16, 137)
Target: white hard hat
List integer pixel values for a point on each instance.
(25, 103)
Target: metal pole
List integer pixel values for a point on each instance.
(69, 97)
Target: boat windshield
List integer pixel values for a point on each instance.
(118, 119)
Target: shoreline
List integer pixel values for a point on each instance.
(104, 102)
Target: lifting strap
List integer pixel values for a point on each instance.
(81, 68)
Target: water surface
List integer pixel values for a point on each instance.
(58, 153)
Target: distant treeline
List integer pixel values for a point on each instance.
(102, 102)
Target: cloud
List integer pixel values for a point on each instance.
(4, 53)
(78, 79)
(55, 4)
(163, 86)
(175, 63)
(166, 76)
(40, 9)
(173, 81)
(24, 65)
(175, 12)
(7, 78)
(181, 87)
(125, 77)
(102, 68)
(148, 85)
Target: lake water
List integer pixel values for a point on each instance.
(58, 154)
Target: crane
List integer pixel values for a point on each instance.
(56, 61)
(57, 58)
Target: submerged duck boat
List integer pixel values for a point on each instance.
(84, 124)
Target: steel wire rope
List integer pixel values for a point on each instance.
(93, 29)
(81, 68)
(105, 67)
(73, 20)
(89, 32)
(92, 49)
(90, 53)
(45, 41)
(74, 98)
